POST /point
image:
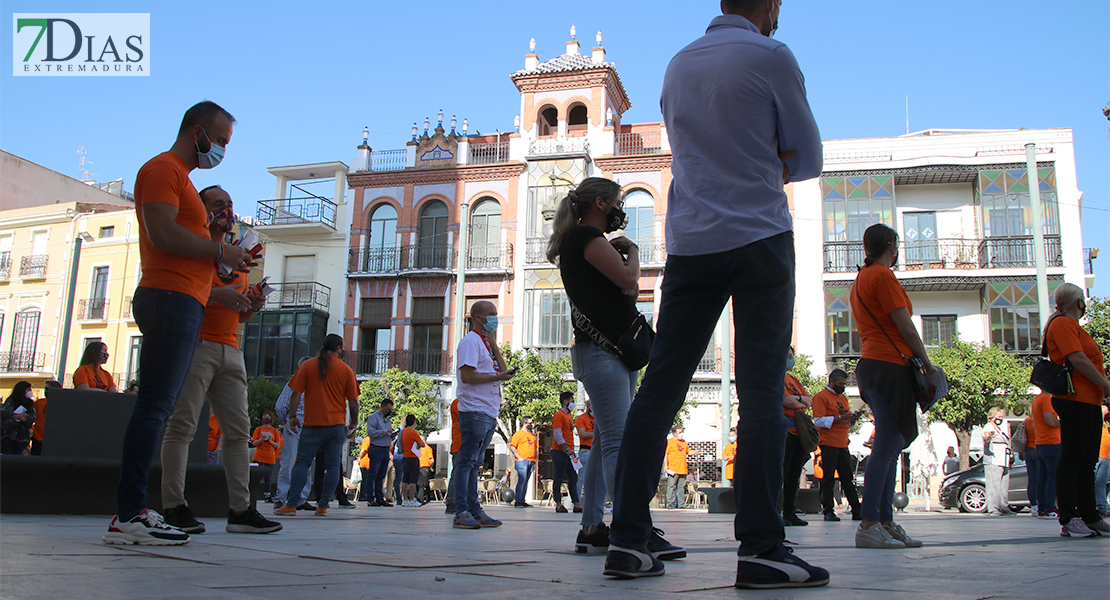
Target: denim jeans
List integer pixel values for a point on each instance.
(449, 497)
(170, 323)
(289, 447)
(759, 278)
(330, 438)
(398, 474)
(1102, 477)
(564, 471)
(881, 384)
(524, 470)
(1048, 459)
(477, 431)
(1031, 460)
(676, 490)
(1080, 435)
(611, 387)
(379, 465)
(584, 460)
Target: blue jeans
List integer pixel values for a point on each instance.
(1048, 459)
(477, 432)
(379, 466)
(398, 473)
(170, 323)
(584, 460)
(524, 470)
(1031, 461)
(1102, 477)
(759, 278)
(331, 439)
(881, 384)
(611, 387)
(289, 446)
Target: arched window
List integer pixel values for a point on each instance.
(380, 254)
(485, 235)
(579, 118)
(548, 121)
(640, 207)
(431, 246)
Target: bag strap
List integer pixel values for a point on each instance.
(581, 321)
(860, 298)
(1044, 337)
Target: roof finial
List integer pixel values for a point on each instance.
(573, 32)
(598, 38)
(532, 46)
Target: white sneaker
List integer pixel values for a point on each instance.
(895, 530)
(877, 537)
(145, 529)
(1077, 528)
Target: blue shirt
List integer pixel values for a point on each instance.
(731, 101)
(281, 407)
(377, 427)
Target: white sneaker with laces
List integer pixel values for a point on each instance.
(145, 529)
(1077, 528)
(895, 530)
(877, 537)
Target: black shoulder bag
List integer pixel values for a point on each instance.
(923, 390)
(1049, 376)
(633, 347)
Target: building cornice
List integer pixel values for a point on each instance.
(624, 164)
(601, 76)
(369, 179)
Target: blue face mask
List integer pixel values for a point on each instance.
(790, 363)
(491, 323)
(215, 154)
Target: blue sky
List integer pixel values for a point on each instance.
(303, 79)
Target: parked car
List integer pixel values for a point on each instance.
(967, 490)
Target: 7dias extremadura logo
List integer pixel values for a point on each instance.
(81, 44)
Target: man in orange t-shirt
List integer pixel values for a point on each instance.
(1102, 471)
(523, 447)
(833, 417)
(217, 374)
(364, 467)
(794, 457)
(266, 442)
(729, 455)
(215, 436)
(326, 383)
(456, 441)
(40, 418)
(584, 426)
(562, 454)
(177, 255)
(1047, 424)
(1030, 458)
(676, 456)
(427, 472)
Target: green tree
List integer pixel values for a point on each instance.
(533, 391)
(262, 394)
(1098, 322)
(411, 394)
(801, 370)
(979, 377)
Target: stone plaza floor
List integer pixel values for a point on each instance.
(413, 553)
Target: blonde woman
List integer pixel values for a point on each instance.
(996, 464)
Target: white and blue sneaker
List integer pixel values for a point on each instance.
(144, 529)
(778, 568)
(630, 563)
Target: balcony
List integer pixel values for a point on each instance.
(127, 312)
(1017, 252)
(311, 211)
(488, 154)
(33, 266)
(536, 251)
(1089, 256)
(299, 295)
(489, 257)
(22, 362)
(955, 253)
(633, 144)
(5, 265)
(423, 362)
(547, 353)
(400, 259)
(92, 309)
(846, 363)
(559, 147)
(388, 160)
(652, 251)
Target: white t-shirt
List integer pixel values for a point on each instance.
(482, 398)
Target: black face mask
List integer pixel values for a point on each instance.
(103, 357)
(839, 389)
(614, 219)
(1082, 308)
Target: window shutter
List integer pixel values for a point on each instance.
(300, 269)
(428, 311)
(376, 313)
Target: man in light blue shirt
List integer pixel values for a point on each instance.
(740, 127)
(290, 443)
(380, 431)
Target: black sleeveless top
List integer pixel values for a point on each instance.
(610, 310)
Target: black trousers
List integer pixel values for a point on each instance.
(1080, 436)
(835, 460)
(793, 459)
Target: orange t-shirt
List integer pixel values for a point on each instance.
(40, 419)
(828, 404)
(364, 462)
(792, 387)
(325, 400)
(584, 421)
(1065, 336)
(165, 179)
(264, 453)
(881, 293)
(676, 455)
(456, 434)
(427, 457)
(221, 324)
(95, 377)
(525, 444)
(729, 455)
(214, 433)
(1046, 434)
(409, 436)
(1030, 433)
(1104, 446)
(562, 421)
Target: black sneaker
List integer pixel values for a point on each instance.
(628, 563)
(778, 568)
(831, 516)
(560, 509)
(594, 543)
(661, 548)
(856, 514)
(793, 520)
(250, 521)
(184, 519)
(306, 506)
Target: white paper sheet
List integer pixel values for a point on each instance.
(574, 462)
(416, 448)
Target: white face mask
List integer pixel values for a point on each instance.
(570, 407)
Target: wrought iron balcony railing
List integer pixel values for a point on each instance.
(489, 256)
(33, 266)
(423, 362)
(955, 253)
(297, 211)
(632, 144)
(653, 250)
(127, 312)
(536, 251)
(488, 154)
(1014, 252)
(5, 265)
(299, 295)
(1089, 255)
(397, 259)
(22, 362)
(548, 146)
(92, 309)
(549, 352)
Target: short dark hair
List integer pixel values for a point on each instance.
(565, 396)
(205, 114)
(208, 189)
(837, 374)
(410, 420)
(741, 6)
(387, 402)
